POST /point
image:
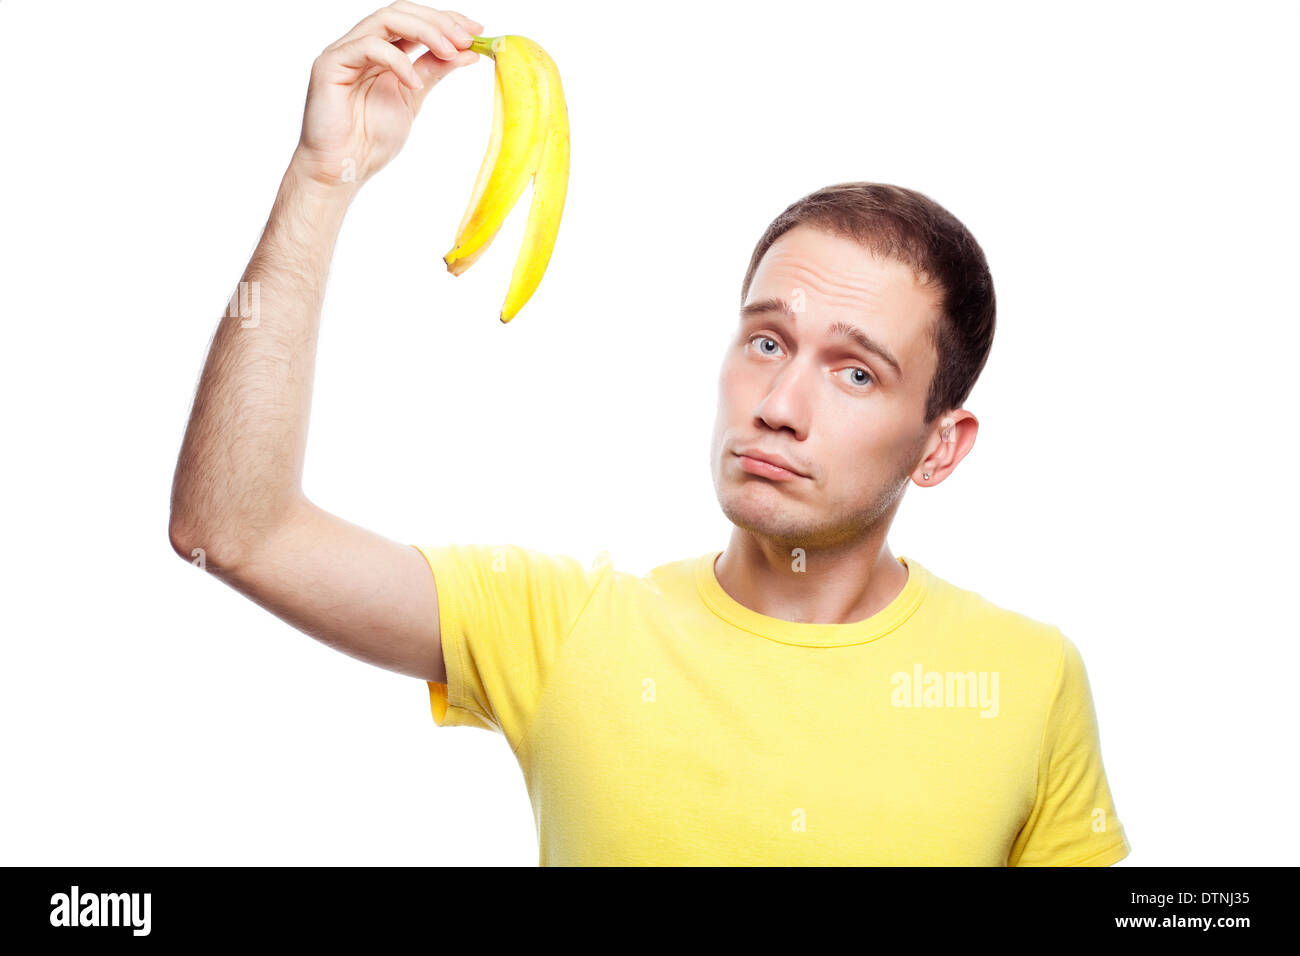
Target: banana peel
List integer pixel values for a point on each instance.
(529, 141)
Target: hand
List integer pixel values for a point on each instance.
(365, 91)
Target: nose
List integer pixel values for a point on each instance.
(786, 403)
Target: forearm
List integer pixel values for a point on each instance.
(240, 465)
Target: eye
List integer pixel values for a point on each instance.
(863, 383)
(869, 379)
(769, 338)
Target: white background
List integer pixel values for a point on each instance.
(1129, 170)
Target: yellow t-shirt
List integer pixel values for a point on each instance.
(657, 721)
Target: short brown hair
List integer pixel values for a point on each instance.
(910, 227)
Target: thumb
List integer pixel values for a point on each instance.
(430, 68)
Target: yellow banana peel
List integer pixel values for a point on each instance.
(530, 140)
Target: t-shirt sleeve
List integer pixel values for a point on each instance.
(1073, 821)
(504, 612)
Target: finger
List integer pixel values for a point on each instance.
(472, 25)
(368, 51)
(431, 68)
(352, 34)
(420, 10)
(390, 24)
(406, 46)
(366, 25)
(461, 34)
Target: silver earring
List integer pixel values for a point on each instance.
(927, 474)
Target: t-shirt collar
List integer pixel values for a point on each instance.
(883, 622)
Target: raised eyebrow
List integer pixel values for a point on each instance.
(839, 329)
(765, 306)
(866, 342)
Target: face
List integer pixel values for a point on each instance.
(791, 385)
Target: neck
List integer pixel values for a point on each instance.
(840, 585)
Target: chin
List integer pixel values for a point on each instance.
(772, 519)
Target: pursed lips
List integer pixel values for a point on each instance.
(771, 459)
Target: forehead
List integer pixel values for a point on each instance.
(837, 280)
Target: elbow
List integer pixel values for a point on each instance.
(200, 534)
(196, 545)
(184, 542)
(213, 541)
(212, 546)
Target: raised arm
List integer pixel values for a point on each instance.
(237, 502)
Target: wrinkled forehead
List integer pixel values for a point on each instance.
(838, 268)
(826, 287)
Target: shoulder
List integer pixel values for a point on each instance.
(668, 583)
(995, 626)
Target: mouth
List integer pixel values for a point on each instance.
(766, 466)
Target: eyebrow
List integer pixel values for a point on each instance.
(839, 329)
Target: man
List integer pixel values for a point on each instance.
(802, 697)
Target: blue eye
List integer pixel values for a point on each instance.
(864, 372)
(870, 379)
